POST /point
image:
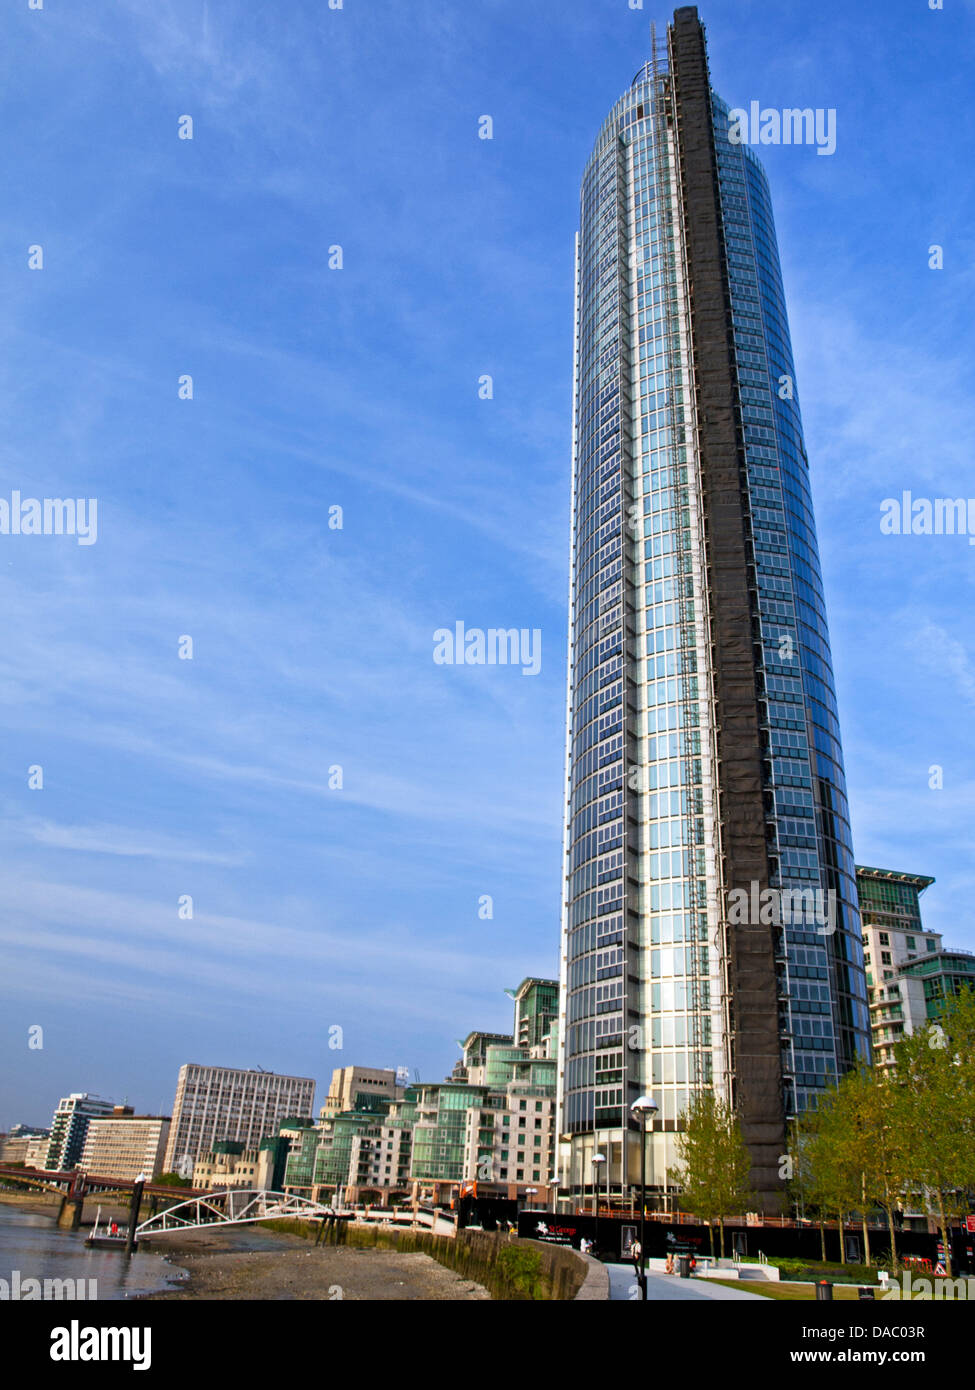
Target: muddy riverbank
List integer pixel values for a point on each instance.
(269, 1265)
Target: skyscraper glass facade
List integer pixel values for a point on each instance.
(825, 1015)
(649, 1001)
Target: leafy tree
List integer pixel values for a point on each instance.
(835, 1183)
(807, 1185)
(935, 1078)
(173, 1180)
(869, 1115)
(714, 1165)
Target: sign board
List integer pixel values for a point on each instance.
(553, 1230)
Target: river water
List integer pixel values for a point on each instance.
(33, 1247)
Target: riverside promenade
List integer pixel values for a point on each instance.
(668, 1288)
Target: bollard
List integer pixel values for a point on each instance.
(824, 1291)
(130, 1241)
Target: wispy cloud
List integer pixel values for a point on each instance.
(943, 654)
(115, 839)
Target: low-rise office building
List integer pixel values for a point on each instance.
(229, 1165)
(25, 1145)
(125, 1145)
(356, 1088)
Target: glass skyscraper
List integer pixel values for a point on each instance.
(710, 936)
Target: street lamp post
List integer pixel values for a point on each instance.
(565, 1143)
(597, 1159)
(643, 1107)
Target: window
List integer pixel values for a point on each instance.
(885, 938)
(932, 945)
(885, 958)
(911, 943)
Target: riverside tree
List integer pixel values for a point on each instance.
(833, 1183)
(713, 1164)
(870, 1130)
(935, 1078)
(879, 1137)
(808, 1184)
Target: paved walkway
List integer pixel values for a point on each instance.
(669, 1288)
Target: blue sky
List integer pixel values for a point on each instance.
(313, 388)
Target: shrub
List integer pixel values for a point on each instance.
(523, 1268)
(808, 1271)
